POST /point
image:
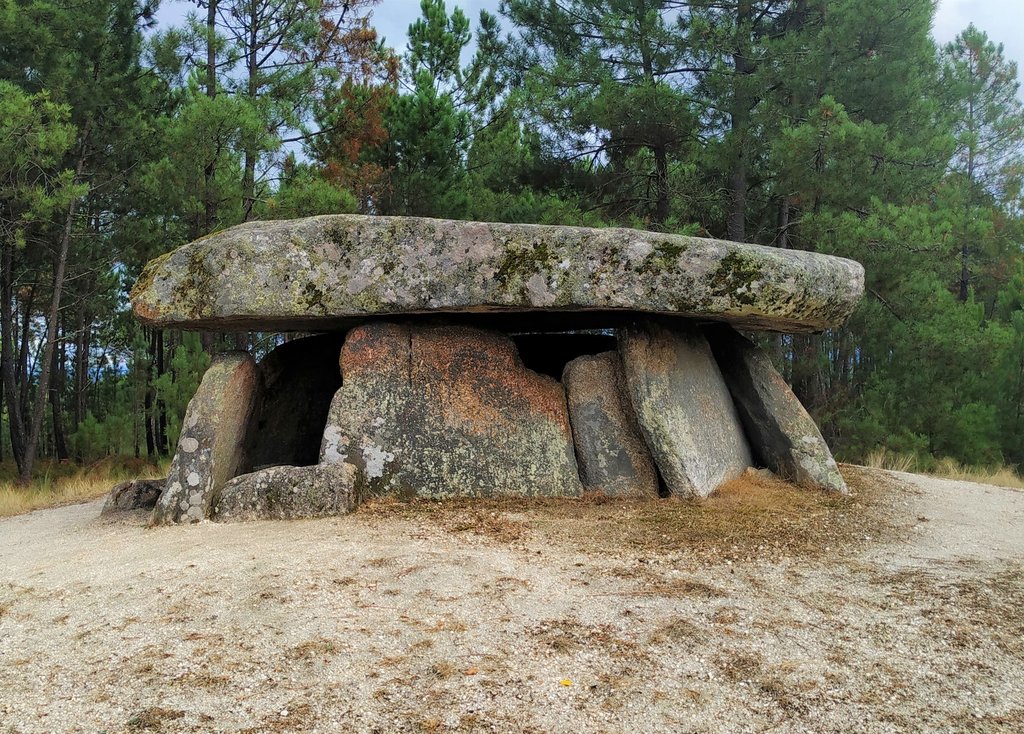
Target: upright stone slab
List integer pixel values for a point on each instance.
(211, 448)
(610, 450)
(448, 411)
(782, 434)
(683, 407)
(299, 379)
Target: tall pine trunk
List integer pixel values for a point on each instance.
(53, 316)
(8, 328)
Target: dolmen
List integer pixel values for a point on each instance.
(445, 359)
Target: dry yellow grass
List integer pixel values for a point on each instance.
(58, 485)
(999, 475)
(751, 517)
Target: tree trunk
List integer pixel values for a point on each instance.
(161, 406)
(661, 184)
(251, 154)
(210, 171)
(740, 123)
(7, 359)
(39, 409)
(60, 444)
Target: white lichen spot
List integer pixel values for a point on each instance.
(189, 445)
(193, 479)
(638, 250)
(538, 291)
(331, 451)
(375, 458)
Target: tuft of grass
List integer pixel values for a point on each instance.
(883, 458)
(67, 484)
(998, 475)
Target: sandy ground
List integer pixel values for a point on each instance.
(514, 622)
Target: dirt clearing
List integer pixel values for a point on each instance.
(762, 609)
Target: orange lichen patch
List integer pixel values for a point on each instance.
(479, 380)
(375, 348)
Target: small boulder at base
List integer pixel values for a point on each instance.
(288, 493)
(683, 407)
(136, 494)
(444, 411)
(610, 449)
(299, 379)
(211, 448)
(782, 434)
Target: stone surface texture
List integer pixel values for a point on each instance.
(299, 379)
(211, 448)
(782, 434)
(610, 449)
(448, 411)
(335, 271)
(136, 494)
(683, 406)
(288, 493)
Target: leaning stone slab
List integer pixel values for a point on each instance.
(299, 379)
(288, 493)
(211, 448)
(448, 411)
(136, 494)
(610, 450)
(782, 434)
(683, 407)
(332, 272)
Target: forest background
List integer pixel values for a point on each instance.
(838, 126)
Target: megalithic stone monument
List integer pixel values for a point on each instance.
(642, 387)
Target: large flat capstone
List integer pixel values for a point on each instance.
(336, 271)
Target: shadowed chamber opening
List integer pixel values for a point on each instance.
(300, 379)
(549, 353)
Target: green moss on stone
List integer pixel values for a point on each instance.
(735, 277)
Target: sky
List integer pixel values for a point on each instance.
(1003, 20)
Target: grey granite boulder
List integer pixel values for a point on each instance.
(781, 432)
(211, 448)
(683, 407)
(288, 493)
(299, 379)
(610, 450)
(447, 411)
(335, 271)
(136, 494)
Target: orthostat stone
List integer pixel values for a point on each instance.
(335, 271)
(610, 450)
(288, 493)
(211, 447)
(781, 432)
(684, 408)
(447, 411)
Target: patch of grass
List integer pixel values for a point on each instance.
(66, 484)
(1001, 476)
(883, 458)
(998, 475)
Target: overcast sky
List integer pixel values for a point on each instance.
(1003, 20)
